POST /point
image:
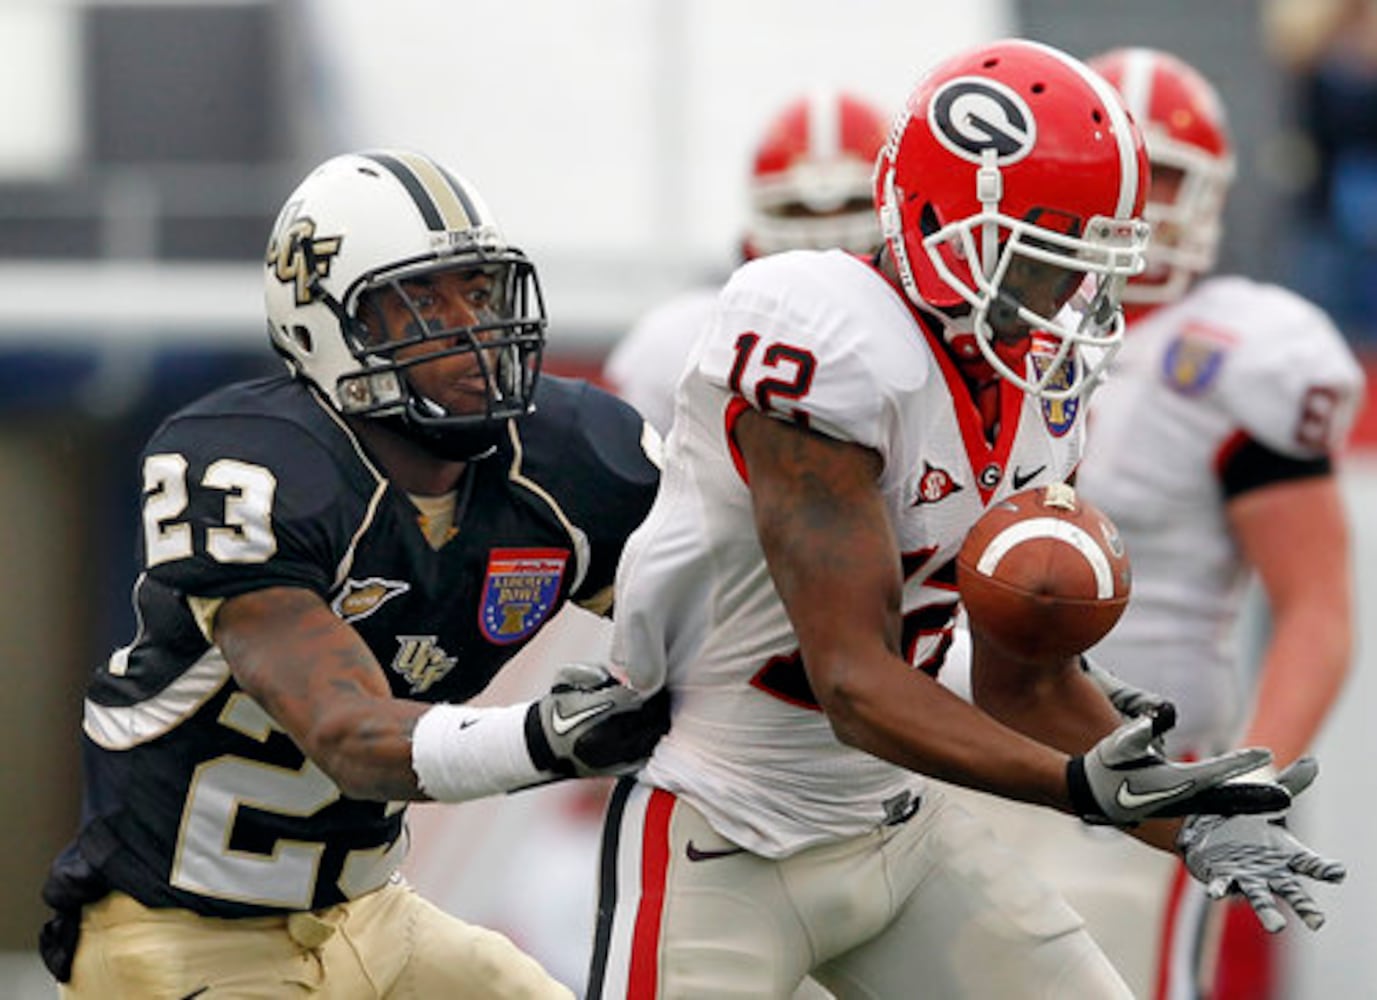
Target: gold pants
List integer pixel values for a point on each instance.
(388, 943)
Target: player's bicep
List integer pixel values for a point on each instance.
(1294, 533)
(827, 538)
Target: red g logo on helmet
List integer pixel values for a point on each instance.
(971, 114)
(1009, 193)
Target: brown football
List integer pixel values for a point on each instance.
(1043, 574)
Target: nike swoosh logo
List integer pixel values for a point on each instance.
(563, 723)
(694, 854)
(1022, 479)
(1130, 799)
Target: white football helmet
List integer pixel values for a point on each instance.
(1009, 193)
(366, 221)
(810, 181)
(1187, 137)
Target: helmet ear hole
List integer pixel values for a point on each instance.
(927, 219)
(302, 336)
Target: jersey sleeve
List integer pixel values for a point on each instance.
(1290, 382)
(237, 503)
(798, 336)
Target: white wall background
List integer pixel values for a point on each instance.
(613, 138)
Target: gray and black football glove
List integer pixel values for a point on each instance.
(1258, 858)
(1129, 701)
(1126, 778)
(589, 724)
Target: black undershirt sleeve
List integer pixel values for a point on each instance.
(1252, 465)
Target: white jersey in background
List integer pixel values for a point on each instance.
(696, 605)
(1232, 361)
(646, 364)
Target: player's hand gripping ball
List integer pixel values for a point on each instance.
(1043, 574)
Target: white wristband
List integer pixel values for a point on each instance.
(459, 752)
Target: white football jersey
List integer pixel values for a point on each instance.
(1233, 360)
(823, 339)
(645, 366)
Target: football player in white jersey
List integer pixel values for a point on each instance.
(809, 189)
(841, 425)
(1212, 445)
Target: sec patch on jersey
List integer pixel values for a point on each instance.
(1043, 574)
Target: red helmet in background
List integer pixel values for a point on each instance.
(1192, 162)
(810, 184)
(1009, 194)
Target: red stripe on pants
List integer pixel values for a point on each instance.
(643, 980)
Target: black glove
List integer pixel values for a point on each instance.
(1256, 856)
(589, 724)
(1126, 778)
(1129, 701)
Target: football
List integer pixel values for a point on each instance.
(1043, 574)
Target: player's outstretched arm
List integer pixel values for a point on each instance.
(825, 531)
(1258, 858)
(834, 560)
(1121, 774)
(587, 725)
(319, 681)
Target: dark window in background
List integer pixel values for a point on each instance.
(186, 135)
(182, 84)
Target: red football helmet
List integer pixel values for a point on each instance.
(1192, 162)
(810, 185)
(1009, 193)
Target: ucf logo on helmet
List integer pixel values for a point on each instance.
(295, 255)
(971, 114)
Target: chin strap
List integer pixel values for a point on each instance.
(453, 444)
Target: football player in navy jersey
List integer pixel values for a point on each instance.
(333, 561)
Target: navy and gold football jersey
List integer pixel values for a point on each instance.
(194, 797)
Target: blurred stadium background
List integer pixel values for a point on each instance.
(146, 146)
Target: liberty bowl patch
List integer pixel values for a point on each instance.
(1058, 414)
(519, 592)
(1192, 363)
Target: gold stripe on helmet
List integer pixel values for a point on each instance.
(442, 194)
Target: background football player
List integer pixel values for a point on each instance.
(1213, 446)
(809, 189)
(334, 560)
(793, 584)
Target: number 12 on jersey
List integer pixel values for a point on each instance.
(792, 371)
